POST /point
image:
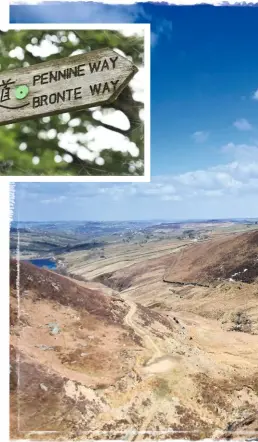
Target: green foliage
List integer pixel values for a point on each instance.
(21, 142)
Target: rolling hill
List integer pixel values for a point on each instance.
(232, 257)
(126, 355)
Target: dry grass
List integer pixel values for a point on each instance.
(217, 259)
(61, 290)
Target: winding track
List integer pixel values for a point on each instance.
(141, 332)
(156, 354)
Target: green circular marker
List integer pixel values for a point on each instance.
(21, 92)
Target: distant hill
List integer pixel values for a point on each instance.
(233, 258)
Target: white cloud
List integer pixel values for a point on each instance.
(93, 12)
(242, 153)
(200, 136)
(235, 179)
(57, 200)
(240, 176)
(171, 198)
(242, 124)
(255, 95)
(164, 28)
(213, 193)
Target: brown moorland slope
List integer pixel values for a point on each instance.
(57, 288)
(75, 352)
(113, 365)
(125, 278)
(234, 257)
(66, 342)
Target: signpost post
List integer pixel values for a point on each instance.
(66, 84)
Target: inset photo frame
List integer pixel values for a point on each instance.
(75, 102)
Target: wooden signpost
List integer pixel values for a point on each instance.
(63, 85)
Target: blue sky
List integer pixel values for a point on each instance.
(204, 104)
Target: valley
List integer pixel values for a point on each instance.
(142, 331)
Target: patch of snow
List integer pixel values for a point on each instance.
(55, 286)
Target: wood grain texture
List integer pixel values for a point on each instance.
(63, 85)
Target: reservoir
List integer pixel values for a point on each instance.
(43, 262)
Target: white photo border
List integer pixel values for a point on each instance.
(147, 118)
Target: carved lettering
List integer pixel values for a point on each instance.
(114, 83)
(35, 102)
(44, 79)
(44, 99)
(65, 74)
(81, 70)
(105, 65)
(36, 78)
(63, 85)
(100, 66)
(94, 67)
(57, 97)
(100, 88)
(69, 92)
(113, 61)
(106, 88)
(95, 88)
(77, 93)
